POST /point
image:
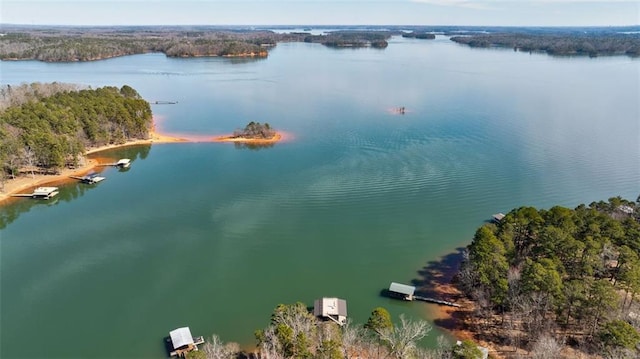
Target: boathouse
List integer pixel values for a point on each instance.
(498, 217)
(123, 163)
(44, 192)
(401, 291)
(183, 342)
(331, 308)
(92, 178)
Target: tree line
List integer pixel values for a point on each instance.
(48, 127)
(376, 39)
(88, 43)
(295, 333)
(558, 44)
(255, 130)
(559, 277)
(60, 44)
(419, 35)
(70, 46)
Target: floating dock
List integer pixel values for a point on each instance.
(122, 163)
(497, 217)
(436, 301)
(407, 292)
(92, 178)
(40, 193)
(181, 342)
(165, 102)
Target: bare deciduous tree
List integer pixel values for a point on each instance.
(402, 340)
(216, 349)
(546, 347)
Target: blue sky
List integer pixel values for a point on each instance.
(323, 12)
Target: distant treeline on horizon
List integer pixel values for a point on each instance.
(88, 43)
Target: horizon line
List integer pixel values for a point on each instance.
(325, 25)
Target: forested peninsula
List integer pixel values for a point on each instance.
(47, 127)
(558, 44)
(66, 44)
(557, 283)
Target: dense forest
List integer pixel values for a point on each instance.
(550, 280)
(561, 45)
(294, 332)
(376, 39)
(80, 44)
(45, 127)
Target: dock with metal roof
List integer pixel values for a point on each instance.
(407, 292)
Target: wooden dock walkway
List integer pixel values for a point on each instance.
(165, 102)
(22, 195)
(436, 301)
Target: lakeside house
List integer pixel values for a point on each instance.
(402, 291)
(331, 308)
(182, 342)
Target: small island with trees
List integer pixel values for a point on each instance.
(253, 132)
(419, 35)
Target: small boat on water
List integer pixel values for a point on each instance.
(45, 192)
(92, 178)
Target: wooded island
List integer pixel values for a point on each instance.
(253, 133)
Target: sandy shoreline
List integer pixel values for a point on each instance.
(25, 183)
(258, 141)
(456, 321)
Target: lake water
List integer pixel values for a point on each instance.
(213, 237)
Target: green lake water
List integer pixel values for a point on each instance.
(212, 236)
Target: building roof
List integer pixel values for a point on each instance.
(123, 161)
(44, 190)
(181, 337)
(330, 306)
(498, 216)
(402, 288)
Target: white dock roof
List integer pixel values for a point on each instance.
(181, 337)
(43, 191)
(330, 306)
(123, 161)
(402, 288)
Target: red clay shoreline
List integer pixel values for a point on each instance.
(26, 183)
